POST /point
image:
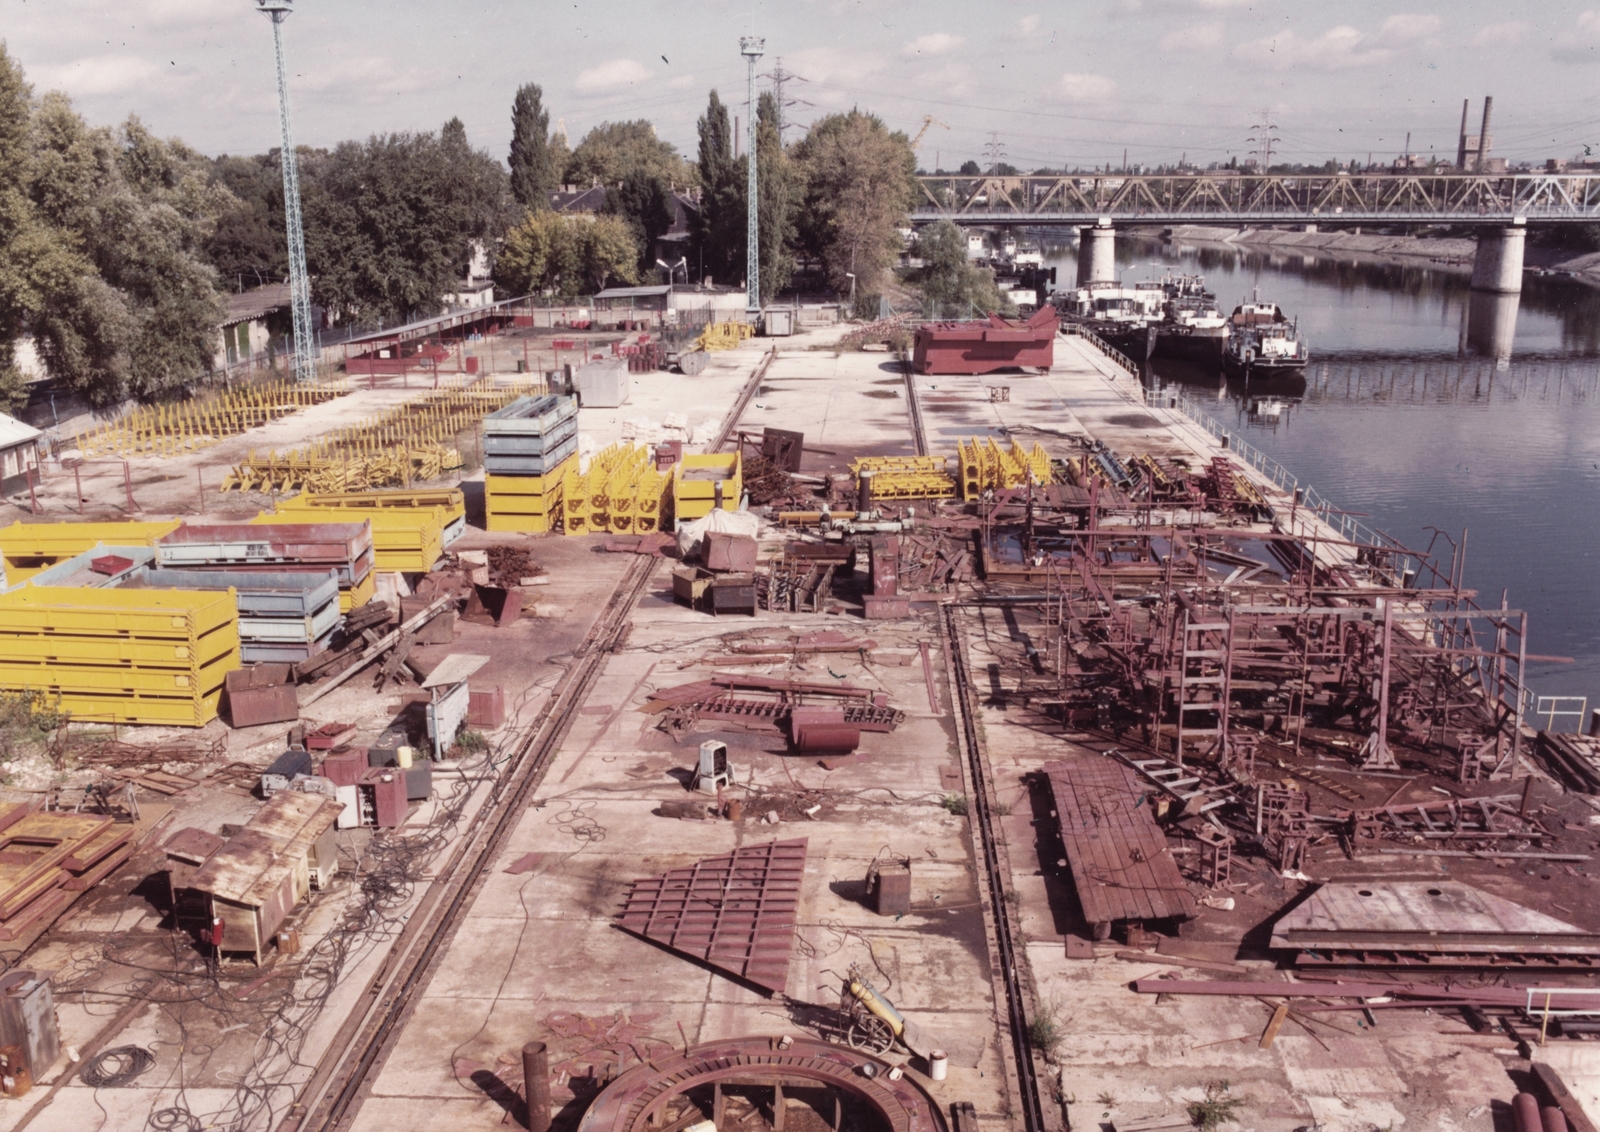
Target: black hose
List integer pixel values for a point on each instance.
(116, 1067)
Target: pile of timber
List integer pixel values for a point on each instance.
(1575, 759)
(48, 857)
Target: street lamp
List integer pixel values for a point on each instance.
(850, 275)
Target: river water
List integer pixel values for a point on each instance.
(1425, 407)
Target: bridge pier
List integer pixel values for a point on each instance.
(1498, 265)
(1491, 324)
(1097, 254)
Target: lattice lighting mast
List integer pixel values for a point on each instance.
(752, 48)
(305, 349)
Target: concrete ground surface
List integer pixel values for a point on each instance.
(538, 949)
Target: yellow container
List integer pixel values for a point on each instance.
(354, 597)
(121, 656)
(28, 548)
(694, 484)
(410, 539)
(453, 500)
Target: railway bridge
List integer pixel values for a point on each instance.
(1500, 207)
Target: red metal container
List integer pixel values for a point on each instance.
(486, 707)
(388, 786)
(822, 729)
(346, 768)
(984, 347)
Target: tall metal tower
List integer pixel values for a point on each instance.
(752, 48)
(304, 363)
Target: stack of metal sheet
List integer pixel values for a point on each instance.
(119, 655)
(284, 617)
(528, 447)
(315, 548)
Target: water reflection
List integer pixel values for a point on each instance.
(1490, 326)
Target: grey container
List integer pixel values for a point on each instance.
(530, 416)
(529, 444)
(260, 593)
(777, 322)
(531, 465)
(28, 1019)
(604, 384)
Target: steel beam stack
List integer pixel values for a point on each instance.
(529, 450)
(345, 548)
(985, 466)
(284, 617)
(907, 477)
(120, 656)
(620, 492)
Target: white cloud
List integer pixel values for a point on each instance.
(934, 43)
(1336, 49)
(682, 82)
(1405, 27)
(611, 75)
(1084, 88)
(1500, 35)
(1581, 42)
(1199, 37)
(1029, 24)
(95, 75)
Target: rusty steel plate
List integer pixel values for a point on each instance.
(735, 911)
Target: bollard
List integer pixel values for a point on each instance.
(1594, 722)
(1554, 1119)
(864, 492)
(717, 490)
(536, 1086)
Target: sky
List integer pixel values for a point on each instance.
(1036, 85)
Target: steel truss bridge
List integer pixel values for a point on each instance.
(1214, 198)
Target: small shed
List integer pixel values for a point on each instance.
(250, 886)
(187, 852)
(248, 326)
(301, 825)
(19, 453)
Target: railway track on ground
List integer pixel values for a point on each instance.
(352, 1062)
(982, 810)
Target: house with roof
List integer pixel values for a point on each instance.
(19, 453)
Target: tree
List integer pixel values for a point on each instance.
(566, 255)
(950, 281)
(859, 187)
(612, 150)
(534, 172)
(644, 202)
(247, 244)
(141, 318)
(719, 226)
(970, 168)
(391, 222)
(778, 191)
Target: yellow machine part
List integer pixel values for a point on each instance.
(724, 335)
(864, 993)
(452, 500)
(28, 548)
(694, 480)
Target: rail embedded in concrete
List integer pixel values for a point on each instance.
(1210, 198)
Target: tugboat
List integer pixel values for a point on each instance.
(1263, 343)
(1126, 318)
(1193, 327)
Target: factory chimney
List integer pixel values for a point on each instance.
(1483, 134)
(1461, 146)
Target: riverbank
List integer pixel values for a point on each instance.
(1445, 252)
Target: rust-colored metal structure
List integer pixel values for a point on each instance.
(642, 1098)
(735, 911)
(986, 346)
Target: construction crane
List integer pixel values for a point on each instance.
(927, 120)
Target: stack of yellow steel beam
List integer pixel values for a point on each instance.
(985, 466)
(907, 477)
(619, 493)
(27, 548)
(120, 655)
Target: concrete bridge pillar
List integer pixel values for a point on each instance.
(1097, 254)
(1498, 265)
